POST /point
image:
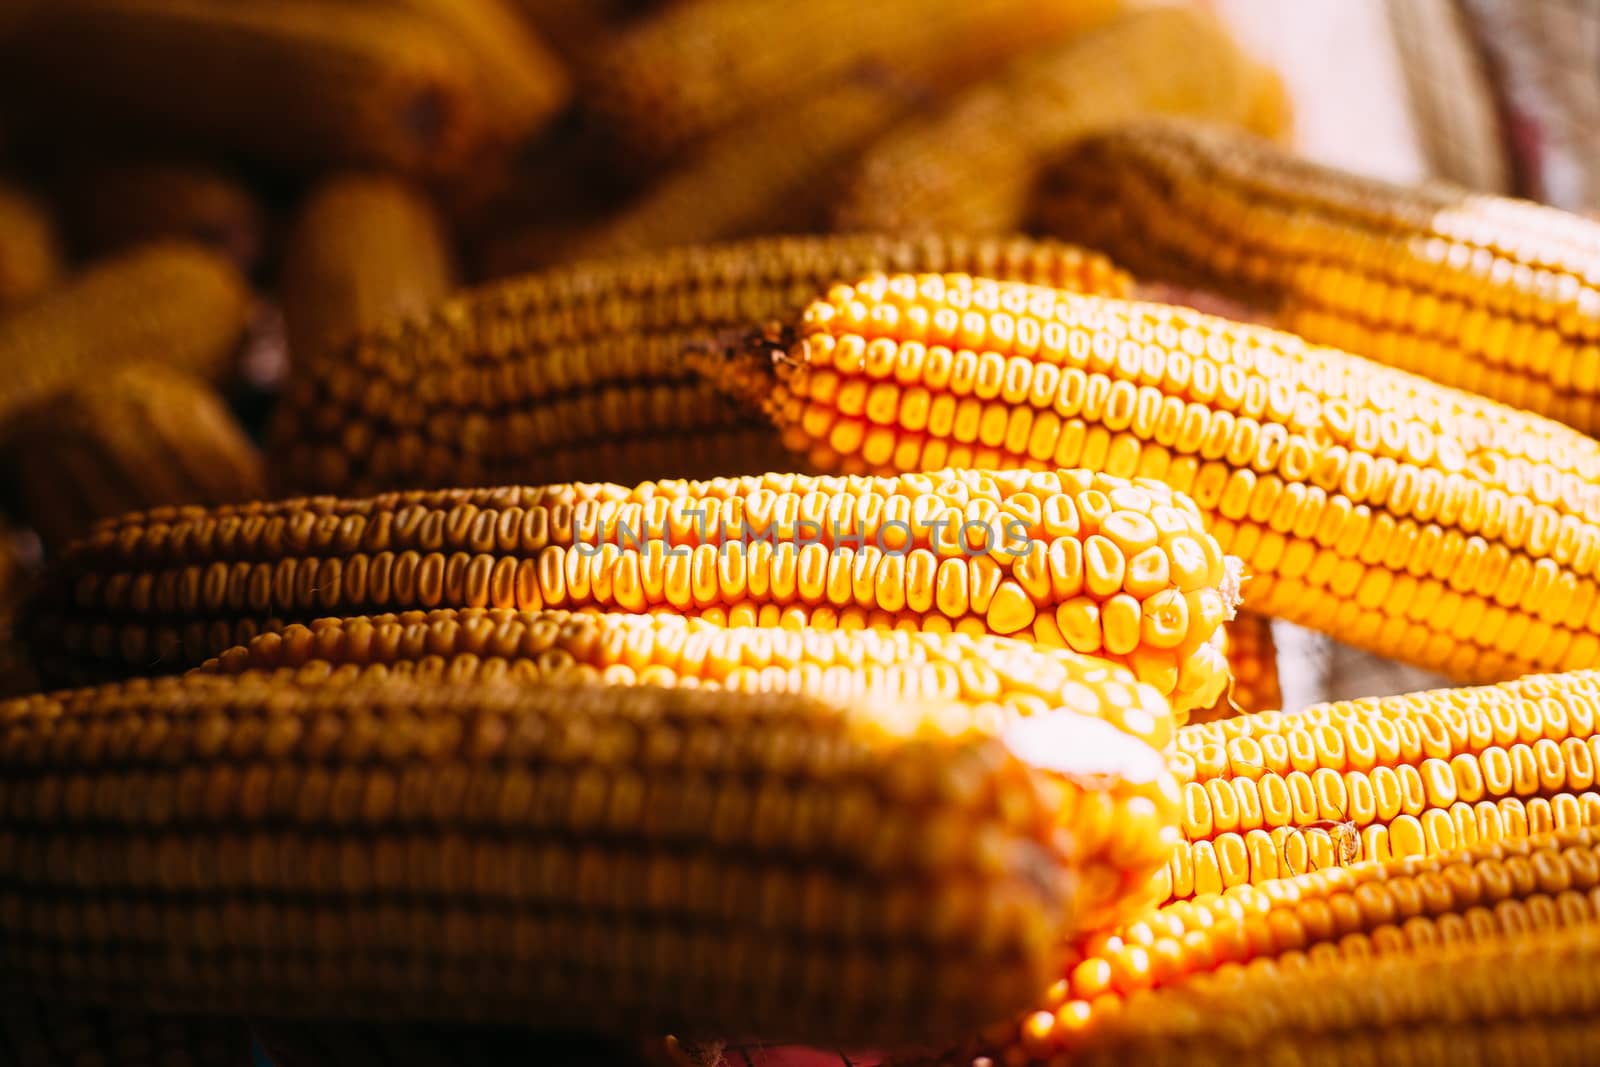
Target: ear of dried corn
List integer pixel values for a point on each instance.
(298, 84)
(1392, 513)
(1102, 565)
(365, 249)
(1497, 296)
(1253, 668)
(139, 436)
(515, 382)
(970, 167)
(635, 858)
(30, 252)
(166, 303)
(114, 206)
(696, 67)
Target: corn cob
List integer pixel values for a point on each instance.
(139, 436)
(576, 28)
(116, 206)
(1416, 775)
(1394, 514)
(365, 249)
(1253, 664)
(290, 1044)
(1002, 675)
(768, 173)
(523, 83)
(30, 254)
(971, 166)
(16, 669)
(166, 303)
(491, 383)
(42, 1034)
(1374, 912)
(289, 82)
(747, 55)
(681, 860)
(1271, 112)
(1102, 565)
(1487, 294)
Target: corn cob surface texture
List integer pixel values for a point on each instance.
(139, 436)
(30, 249)
(296, 84)
(750, 54)
(302, 1044)
(1370, 912)
(168, 303)
(1119, 569)
(1491, 295)
(679, 860)
(1252, 655)
(1274, 795)
(17, 673)
(36, 1033)
(111, 207)
(1394, 514)
(364, 249)
(971, 165)
(515, 381)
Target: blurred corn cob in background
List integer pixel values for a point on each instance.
(580, 369)
(30, 248)
(112, 206)
(971, 165)
(1498, 296)
(332, 1044)
(1253, 664)
(697, 66)
(364, 249)
(554, 855)
(169, 303)
(1397, 515)
(575, 28)
(139, 436)
(52, 1034)
(1067, 558)
(17, 673)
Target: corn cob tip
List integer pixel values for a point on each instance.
(742, 364)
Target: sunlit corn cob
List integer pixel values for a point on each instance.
(1497, 296)
(114, 206)
(138, 436)
(1531, 999)
(1495, 890)
(1415, 775)
(971, 165)
(1397, 515)
(364, 249)
(523, 83)
(773, 172)
(1253, 664)
(166, 303)
(695, 67)
(1071, 559)
(611, 858)
(30, 252)
(1005, 676)
(291, 82)
(44, 1034)
(502, 383)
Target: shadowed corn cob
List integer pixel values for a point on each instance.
(1423, 774)
(1492, 295)
(300, 84)
(1253, 663)
(769, 173)
(139, 436)
(30, 254)
(1006, 676)
(366, 248)
(167, 303)
(290, 1044)
(698, 66)
(502, 383)
(1374, 912)
(577, 27)
(970, 167)
(663, 860)
(115, 206)
(1394, 514)
(42, 1034)
(1102, 565)
(17, 674)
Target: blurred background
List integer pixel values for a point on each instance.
(198, 197)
